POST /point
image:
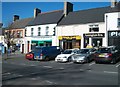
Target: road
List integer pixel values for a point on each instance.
(17, 70)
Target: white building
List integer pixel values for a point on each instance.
(90, 26)
(41, 31)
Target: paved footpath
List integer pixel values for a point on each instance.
(12, 55)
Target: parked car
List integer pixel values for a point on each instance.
(107, 54)
(66, 56)
(84, 55)
(45, 53)
(29, 56)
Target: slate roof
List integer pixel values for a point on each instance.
(87, 16)
(18, 24)
(47, 18)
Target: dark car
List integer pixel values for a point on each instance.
(108, 54)
(44, 53)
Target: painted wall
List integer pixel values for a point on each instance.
(112, 20)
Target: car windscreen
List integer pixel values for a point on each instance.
(36, 50)
(67, 52)
(104, 50)
(83, 51)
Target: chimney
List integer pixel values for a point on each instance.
(68, 7)
(16, 17)
(113, 3)
(36, 12)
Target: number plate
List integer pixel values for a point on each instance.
(101, 55)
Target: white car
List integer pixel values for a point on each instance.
(66, 56)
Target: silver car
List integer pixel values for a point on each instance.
(84, 55)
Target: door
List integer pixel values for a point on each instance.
(96, 42)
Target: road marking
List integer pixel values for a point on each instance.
(20, 75)
(32, 65)
(118, 65)
(91, 63)
(47, 66)
(61, 68)
(110, 72)
(49, 81)
(6, 73)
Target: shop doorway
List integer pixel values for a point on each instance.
(96, 42)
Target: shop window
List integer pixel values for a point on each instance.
(93, 28)
(118, 22)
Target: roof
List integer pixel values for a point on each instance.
(18, 24)
(87, 16)
(47, 18)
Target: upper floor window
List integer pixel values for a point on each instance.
(47, 30)
(54, 31)
(94, 28)
(39, 31)
(32, 31)
(118, 22)
(25, 32)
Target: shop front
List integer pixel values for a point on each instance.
(40, 43)
(69, 42)
(114, 38)
(93, 39)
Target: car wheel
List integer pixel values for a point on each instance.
(113, 61)
(47, 58)
(96, 62)
(87, 60)
(69, 59)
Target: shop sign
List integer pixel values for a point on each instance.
(69, 37)
(94, 35)
(114, 33)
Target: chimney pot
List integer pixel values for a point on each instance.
(113, 3)
(68, 7)
(36, 12)
(16, 17)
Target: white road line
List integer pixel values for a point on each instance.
(32, 65)
(61, 68)
(49, 81)
(118, 65)
(110, 72)
(47, 66)
(6, 73)
(91, 63)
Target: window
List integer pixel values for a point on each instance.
(54, 31)
(93, 28)
(25, 32)
(118, 22)
(47, 30)
(39, 31)
(32, 31)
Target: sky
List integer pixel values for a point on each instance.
(26, 9)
